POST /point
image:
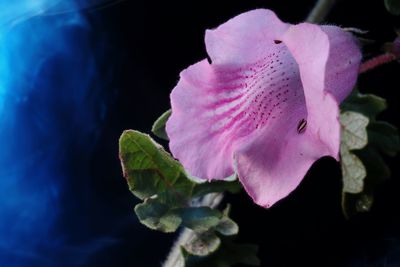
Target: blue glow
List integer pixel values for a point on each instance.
(51, 102)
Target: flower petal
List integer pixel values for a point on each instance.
(244, 38)
(191, 140)
(216, 108)
(274, 163)
(313, 50)
(271, 166)
(343, 64)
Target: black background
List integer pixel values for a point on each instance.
(151, 43)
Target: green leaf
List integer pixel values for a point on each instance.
(226, 225)
(202, 244)
(155, 177)
(158, 128)
(151, 171)
(161, 217)
(366, 104)
(161, 182)
(364, 169)
(356, 203)
(158, 216)
(368, 168)
(393, 6)
(377, 170)
(229, 254)
(200, 218)
(384, 137)
(353, 172)
(364, 203)
(354, 136)
(354, 130)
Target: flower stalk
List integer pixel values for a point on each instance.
(377, 61)
(320, 11)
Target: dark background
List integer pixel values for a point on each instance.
(147, 44)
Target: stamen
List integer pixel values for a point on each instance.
(301, 127)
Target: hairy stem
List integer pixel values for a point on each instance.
(377, 61)
(320, 11)
(175, 258)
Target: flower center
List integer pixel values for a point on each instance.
(252, 96)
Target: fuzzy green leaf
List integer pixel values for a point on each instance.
(167, 191)
(356, 203)
(377, 170)
(354, 136)
(155, 177)
(158, 216)
(369, 168)
(353, 172)
(151, 171)
(384, 137)
(393, 6)
(226, 225)
(158, 128)
(200, 218)
(202, 244)
(366, 104)
(354, 130)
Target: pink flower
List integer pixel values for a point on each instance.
(267, 106)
